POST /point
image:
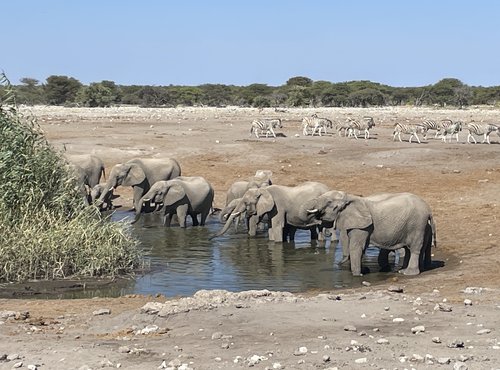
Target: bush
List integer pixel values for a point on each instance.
(45, 229)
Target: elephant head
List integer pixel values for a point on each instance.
(256, 202)
(125, 174)
(162, 194)
(344, 211)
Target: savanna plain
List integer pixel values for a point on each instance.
(447, 317)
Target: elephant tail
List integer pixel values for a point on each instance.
(433, 228)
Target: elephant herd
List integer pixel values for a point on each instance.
(390, 221)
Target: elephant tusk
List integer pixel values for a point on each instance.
(315, 210)
(235, 214)
(112, 188)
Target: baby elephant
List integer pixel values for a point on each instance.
(105, 204)
(182, 196)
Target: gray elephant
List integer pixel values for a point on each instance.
(182, 196)
(140, 174)
(401, 220)
(284, 205)
(261, 179)
(89, 168)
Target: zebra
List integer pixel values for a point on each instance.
(316, 123)
(401, 128)
(259, 126)
(430, 124)
(452, 129)
(364, 125)
(342, 126)
(479, 129)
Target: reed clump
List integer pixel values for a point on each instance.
(46, 231)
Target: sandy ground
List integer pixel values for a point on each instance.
(460, 181)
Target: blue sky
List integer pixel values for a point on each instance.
(189, 42)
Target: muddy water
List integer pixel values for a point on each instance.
(183, 261)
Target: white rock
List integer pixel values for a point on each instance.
(418, 329)
(32, 367)
(17, 365)
(483, 331)
(436, 340)
(277, 365)
(443, 360)
(459, 365)
(362, 360)
(383, 341)
(398, 319)
(467, 302)
(102, 311)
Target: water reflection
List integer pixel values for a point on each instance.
(184, 261)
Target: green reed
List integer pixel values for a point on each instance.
(46, 231)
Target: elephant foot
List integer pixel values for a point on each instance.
(409, 272)
(357, 274)
(345, 259)
(386, 268)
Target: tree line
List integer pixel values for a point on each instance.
(296, 92)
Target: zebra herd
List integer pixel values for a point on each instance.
(352, 127)
(445, 128)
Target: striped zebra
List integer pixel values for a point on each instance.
(451, 129)
(342, 126)
(364, 125)
(259, 126)
(412, 130)
(315, 123)
(484, 129)
(430, 125)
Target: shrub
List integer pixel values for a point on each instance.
(45, 229)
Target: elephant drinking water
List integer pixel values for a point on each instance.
(140, 174)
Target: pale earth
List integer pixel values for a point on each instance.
(460, 181)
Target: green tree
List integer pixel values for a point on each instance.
(299, 96)
(61, 89)
(299, 81)
(366, 97)
(29, 92)
(443, 92)
(96, 95)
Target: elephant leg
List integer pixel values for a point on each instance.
(138, 193)
(314, 233)
(289, 233)
(182, 212)
(414, 260)
(383, 260)
(358, 239)
(277, 231)
(167, 219)
(194, 218)
(252, 222)
(344, 241)
(406, 259)
(426, 255)
(204, 215)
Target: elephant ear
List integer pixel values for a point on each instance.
(134, 176)
(355, 215)
(265, 203)
(174, 194)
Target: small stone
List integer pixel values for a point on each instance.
(123, 349)
(436, 340)
(17, 365)
(483, 331)
(13, 356)
(395, 289)
(456, 344)
(32, 367)
(386, 308)
(443, 360)
(362, 360)
(383, 341)
(418, 329)
(417, 358)
(398, 319)
(366, 283)
(301, 351)
(467, 302)
(102, 311)
(442, 307)
(464, 358)
(459, 365)
(326, 358)
(277, 365)
(217, 335)
(350, 328)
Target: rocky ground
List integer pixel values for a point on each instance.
(445, 318)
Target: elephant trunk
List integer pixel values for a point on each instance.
(227, 225)
(138, 211)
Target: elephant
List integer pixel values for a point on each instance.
(388, 221)
(140, 174)
(261, 178)
(182, 196)
(284, 207)
(88, 167)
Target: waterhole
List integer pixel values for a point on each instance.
(183, 261)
